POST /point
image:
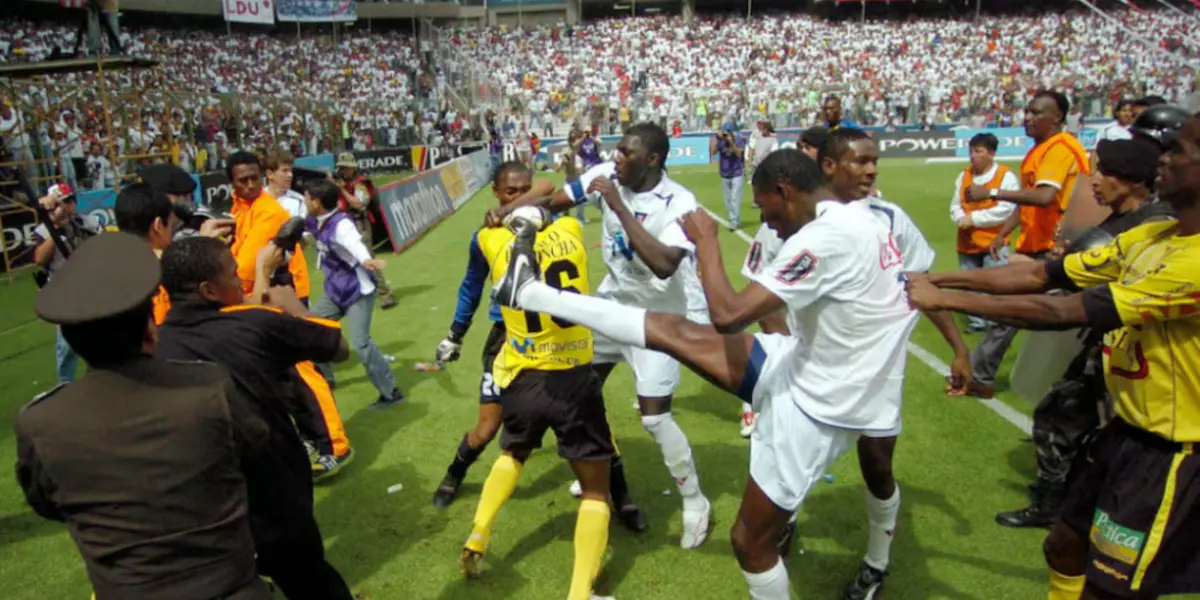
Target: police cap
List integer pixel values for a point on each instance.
(815, 137)
(168, 179)
(1160, 123)
(1133, 160)
(107, 275)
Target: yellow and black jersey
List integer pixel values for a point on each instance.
(537, 341)
(1145, 289)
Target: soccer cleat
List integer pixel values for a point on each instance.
(696, 525)
(866, 584)
(447, 492)
(523, 268)
(637, 405)
(470, 563)
(310, 450)
(633, 518)
(397, 397)
(328, 465)
(748, 421)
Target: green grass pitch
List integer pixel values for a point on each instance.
(958, 462)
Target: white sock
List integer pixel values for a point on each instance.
(772, 585)
(622, 324)
(677, 454)
(882, 517)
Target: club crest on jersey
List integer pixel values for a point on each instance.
(798, 269)
(889, 254)
(641, 216)
(754, 258)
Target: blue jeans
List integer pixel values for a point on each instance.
(968, 262)
(356, 324)
(65, 359)
(731, 190)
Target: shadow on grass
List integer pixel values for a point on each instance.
(367, 534)
(828, 515)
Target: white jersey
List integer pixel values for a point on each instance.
(629, 280)
(840, 278)
(917, 253)
(293, 202)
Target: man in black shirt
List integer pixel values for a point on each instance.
(259, 345)
(140, 456)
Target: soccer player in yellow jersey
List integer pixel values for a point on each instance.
(1129, 525)
(546, 376)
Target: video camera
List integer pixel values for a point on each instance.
(191, 217)
(289, 234)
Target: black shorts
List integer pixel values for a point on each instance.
(570, 402)
(489, 392)
(1136, 499)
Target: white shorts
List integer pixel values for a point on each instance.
(789, 451)
(654, 374)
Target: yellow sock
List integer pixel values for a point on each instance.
(1065, 587)
(496, 491)
(591, 538)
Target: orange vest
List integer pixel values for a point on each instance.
(162, 304)
(1039, 225)
(977, 240)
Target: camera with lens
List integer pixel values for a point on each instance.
(192, 217)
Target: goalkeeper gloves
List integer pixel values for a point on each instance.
(450, 348)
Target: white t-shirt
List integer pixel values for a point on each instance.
(989, 217)
(915, 250)
(1115, 132)
(348, 246)
(293, 202)
(840, 277)
(629, 280)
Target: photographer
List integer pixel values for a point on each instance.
(56, 238)
(357, 195)
(179, 188)
(728, 150)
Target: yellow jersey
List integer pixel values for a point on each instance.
(1151, 363)
(535, 341)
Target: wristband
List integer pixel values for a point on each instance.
(994, 193)
(455, 335)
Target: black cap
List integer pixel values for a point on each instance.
(107, 275)
(168, 179)
(1132, 160)
(815, 136)
(1160, 123)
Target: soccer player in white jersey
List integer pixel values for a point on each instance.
(839, 278)
(279, 184)
(849, 159)
(649, 266)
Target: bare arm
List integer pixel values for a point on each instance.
(662, 259)
(1042, 195)
(1016, 278)
(1024, 312)
(774, 323)
(733, 311)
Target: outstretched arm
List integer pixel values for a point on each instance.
(1016, 278)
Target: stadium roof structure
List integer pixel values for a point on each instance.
(74, 65)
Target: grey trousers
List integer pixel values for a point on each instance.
(356, 322)
(731, 190)
(987, 356)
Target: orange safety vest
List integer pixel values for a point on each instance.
(977, 240)
(162, 305)
(1039, 225)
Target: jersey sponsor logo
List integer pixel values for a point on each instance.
(798, 269)
(530, 346)
(1111, 572)
(889, 254)
(754, 258)
(1115, 540)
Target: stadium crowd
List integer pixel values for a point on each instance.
(368, 89)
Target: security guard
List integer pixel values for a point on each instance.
(140, 456)
(259, 345)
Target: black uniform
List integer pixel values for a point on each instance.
(259, 346)
(141, 458)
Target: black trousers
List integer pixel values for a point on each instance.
(296, 563)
